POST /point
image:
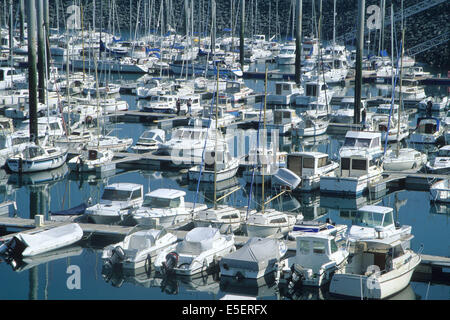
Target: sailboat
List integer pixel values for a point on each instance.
(225, 218)
(405, 158)
(269, 222)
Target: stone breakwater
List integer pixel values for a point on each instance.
(419, 28)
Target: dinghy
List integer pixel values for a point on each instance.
(31, 244)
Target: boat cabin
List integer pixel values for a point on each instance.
(314, 250)
(284, 116)
(369, 142)
(285, 88)
(428, 125)
(315, 89)
(307, 163)
(123, 192)
(164, 199)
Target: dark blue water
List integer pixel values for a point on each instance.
(47, 279)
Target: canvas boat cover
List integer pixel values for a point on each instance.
(199, 240)
(257, 254)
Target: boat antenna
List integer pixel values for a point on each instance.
(264, 138)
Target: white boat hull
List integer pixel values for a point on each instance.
(354, 186)
(35, 166)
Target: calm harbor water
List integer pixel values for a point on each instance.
(48, 277)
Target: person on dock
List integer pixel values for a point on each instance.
(178, 106)
(189, 104)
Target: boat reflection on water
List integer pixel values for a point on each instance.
(39, 178)
(262, 287)
(341, 203)
(117, 276)
(91, 178)
(322, 293)
(24, 263)
(439, 208)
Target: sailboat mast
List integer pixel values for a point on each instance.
(264, 139)
(216, 133)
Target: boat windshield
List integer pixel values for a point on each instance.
(154, 202)
(368, 219)
(444, 153)
(354, 142)
(116, 195)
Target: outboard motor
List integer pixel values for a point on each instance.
(117, 256)
(171, 261)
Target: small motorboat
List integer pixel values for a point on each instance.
(270, 222)
(255, 259)
(379, 269)
(318, 227)
(138, 249)
(41, 241)
(92, 160)
(317, 259)
(200, 249)
(225, 218)
(440, 191)
(149, 141)
(441, 163)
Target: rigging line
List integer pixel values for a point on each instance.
(392, 102)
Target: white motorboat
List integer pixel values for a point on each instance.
(110, 143)
(317, 258)
(428, 130)
(41, 241)
(149, 140)
(190, 142)
(376, 271)
(284, 121)
(375, 222)
(138, 249)
(270, 222)
(223, 168)
(310, 128)
(441, 163)
(9, 77)
(200, 249)
(207, 119)
(440, 191)
(435, 103)
(286, 55)
(225, 218)
(237, 91)
(344, 111)
(117, 201)
(357, 171)
(404, 159)
(35, 158)
(315, 91)
(92, 160)
(310, 166)
(165, 207)
(285, 93)
(257, 258)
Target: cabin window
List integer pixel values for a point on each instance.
(286, 115)
(308, 163)
(304, 247)
(345, 163)
(322, 162)
(388, 219)
(286, 87)
(333, 246)
(359, 164)
(136, 194)
(277, 87)
(279, 220)
(375, 142)
(115, 195)
(311, 90)
(230, 216)
(2, 76)
(349, 142)
(318, 247)
(368, 219)
(154, 202)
